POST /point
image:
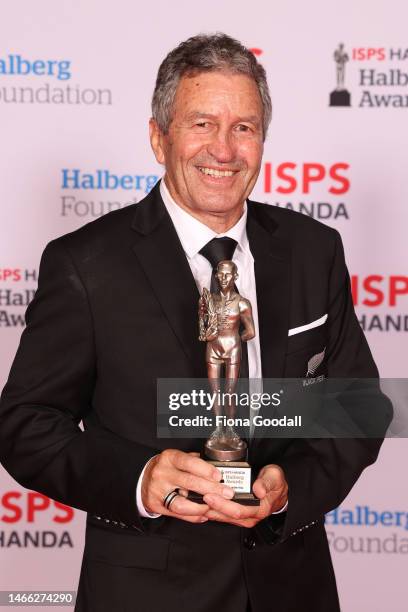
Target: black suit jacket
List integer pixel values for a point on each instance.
(116, 308)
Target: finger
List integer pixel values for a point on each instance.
(273, 477)
(214, 515)
(187, 462)
(270, 479)
(183, 506)
(203, 486)
(259, 488)
(271, 501)
(184, 492)
(192, 519)
(230, 508)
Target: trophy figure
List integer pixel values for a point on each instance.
(225, 321)
(340, 96)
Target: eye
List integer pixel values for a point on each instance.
(203, 124)
(241, 127)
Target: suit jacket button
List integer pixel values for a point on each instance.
(249, 543)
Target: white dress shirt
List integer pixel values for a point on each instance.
(193, 236)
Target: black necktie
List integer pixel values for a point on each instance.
(220, 249)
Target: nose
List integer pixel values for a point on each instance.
(221, 147)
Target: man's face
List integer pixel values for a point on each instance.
(213, 150)
(226, 276)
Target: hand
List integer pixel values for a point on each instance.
(174, 469)
(270, 487)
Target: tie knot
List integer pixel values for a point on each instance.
(219, 249)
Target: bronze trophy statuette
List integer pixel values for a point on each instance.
(225, 320)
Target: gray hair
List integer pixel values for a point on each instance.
(206, 53)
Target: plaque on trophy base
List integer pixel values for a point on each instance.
(237, 475)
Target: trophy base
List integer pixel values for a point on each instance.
(246, 499)
(340, 97)
(237, 475)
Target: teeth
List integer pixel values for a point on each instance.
(218, 173)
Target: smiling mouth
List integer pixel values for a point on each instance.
(216, 173)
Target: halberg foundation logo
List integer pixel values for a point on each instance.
(18, 76)
(77, 185)
(378, 82)
(363, 520)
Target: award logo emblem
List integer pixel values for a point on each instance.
(314, 363)
(225, 321)
(340, 96)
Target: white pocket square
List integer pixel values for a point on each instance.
(302, 328)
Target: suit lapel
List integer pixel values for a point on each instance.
(160, 254)
(163, 260)
(272, 276)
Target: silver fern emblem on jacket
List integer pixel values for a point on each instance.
(314, 363)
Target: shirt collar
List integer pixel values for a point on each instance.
(193, 234)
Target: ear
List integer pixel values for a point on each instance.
(156, 140)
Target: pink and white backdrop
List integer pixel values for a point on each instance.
(75, 86)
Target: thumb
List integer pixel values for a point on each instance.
(270, 478)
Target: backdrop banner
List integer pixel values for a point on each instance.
(76, 81)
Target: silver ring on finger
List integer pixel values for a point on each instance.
(169, 498)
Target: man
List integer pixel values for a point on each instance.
(116, 309)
